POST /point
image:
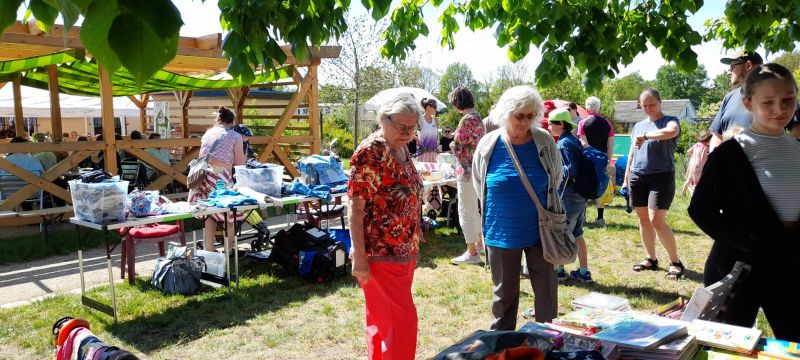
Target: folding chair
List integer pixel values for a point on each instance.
(10, 184)
(130, 172)
(710, 303)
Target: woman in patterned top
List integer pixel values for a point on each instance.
(225, 149)
(385, 205)
(466, 137)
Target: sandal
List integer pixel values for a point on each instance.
(646, 264)
(676, 275)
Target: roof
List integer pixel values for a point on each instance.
(78, 76)
(629, 111)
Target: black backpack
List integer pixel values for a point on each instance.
(309, 252)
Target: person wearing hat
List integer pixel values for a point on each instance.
(732, 112)
(561, 126)
(246, 134)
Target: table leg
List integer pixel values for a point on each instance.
(111, 276)
(80, 260)
(226, 246)
(235, 244)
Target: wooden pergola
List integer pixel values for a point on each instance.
(195, 56)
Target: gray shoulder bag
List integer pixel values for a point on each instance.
(558, 244)
(200, 168)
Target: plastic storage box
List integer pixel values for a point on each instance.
(99, 203)
(266, 180)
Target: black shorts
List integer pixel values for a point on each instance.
(655, 191)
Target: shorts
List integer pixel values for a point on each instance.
(655, 191)
(575, 207)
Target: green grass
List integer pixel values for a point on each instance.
(274, 317)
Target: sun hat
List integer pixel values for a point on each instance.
(561, 115)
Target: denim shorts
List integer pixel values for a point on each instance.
(575, 206)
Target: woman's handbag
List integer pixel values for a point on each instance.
(558, 244)
(200, 168)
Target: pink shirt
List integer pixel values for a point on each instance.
(226, 150)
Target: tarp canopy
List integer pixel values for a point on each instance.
(77, 76)
(36, 103)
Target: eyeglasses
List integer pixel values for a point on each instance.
(447, 131)
(404, 130)
(734, 65)
(520, 116)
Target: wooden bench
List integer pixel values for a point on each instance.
(48, 217)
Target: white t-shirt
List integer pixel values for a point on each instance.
(776, 162)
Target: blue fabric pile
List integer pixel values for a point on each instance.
(324, 192)
(320, 169)
(229, 198)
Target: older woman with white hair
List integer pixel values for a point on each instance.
(509, 216)
(385, 193)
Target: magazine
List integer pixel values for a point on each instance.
(682, 348)
(724, 336)
(591, 318)
(554, 336)
(601, 301)
(642, 331)
(778, 349)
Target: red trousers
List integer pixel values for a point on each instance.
(391, 314)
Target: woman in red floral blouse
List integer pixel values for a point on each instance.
(385, 206)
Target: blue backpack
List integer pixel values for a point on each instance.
(592, 179)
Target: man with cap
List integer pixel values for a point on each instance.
(246, 134)
(732, 112)
(561, 125)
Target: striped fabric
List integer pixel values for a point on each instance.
(77, 76)
(208, 186)
(776, 162)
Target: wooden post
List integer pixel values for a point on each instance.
(107, 110)
(141, 103)
(313, 107)
(19, 126)
(55, 103)
(238, 95)
(184, 97)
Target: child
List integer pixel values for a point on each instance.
(698, 154)
(747, 201)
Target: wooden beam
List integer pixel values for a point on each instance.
(288, 113)
(55, 103)
(19, 125)
(32, 179)
(154, 162)
(30, 147)
(158, 143)
(313, 109)
(163, 180)
(63, 166)
(184, 98)
(238, 95)
(107, 109)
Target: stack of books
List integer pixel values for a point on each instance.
(601, 301)
(723, 336)
(589, 320)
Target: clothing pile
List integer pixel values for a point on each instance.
(74, 340)
(224, 197)
(262, 177)
(321, 170)
(149, 203)
(99, 198)
(324, 192)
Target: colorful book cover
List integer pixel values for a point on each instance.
(555, 336)
(643, 331)
(719, 354)
(725, 336)
(591, 318)
(778, 349)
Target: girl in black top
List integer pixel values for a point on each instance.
(747, 201)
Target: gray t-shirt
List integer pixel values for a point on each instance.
(654, 156)
(731, 113)
(776, 162)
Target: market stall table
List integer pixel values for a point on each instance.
(130, 222)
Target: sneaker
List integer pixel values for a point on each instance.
(561, 274)
(466, 258)
(529, 313)
(600, 222)
(585, 278)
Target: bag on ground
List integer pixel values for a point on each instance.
(179, 272)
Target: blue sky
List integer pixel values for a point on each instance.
(476, 49)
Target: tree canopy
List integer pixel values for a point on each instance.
(593, 36)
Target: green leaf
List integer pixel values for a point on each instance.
(8, 13)
(233, 43)
(70, 11)
(95, 33)
(159, 15)
(44, 13)
(139, 47)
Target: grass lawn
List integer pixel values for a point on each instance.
(273, 317)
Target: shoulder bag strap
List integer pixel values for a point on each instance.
(522, 176)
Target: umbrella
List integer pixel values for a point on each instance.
(563, 104)
(375, 102)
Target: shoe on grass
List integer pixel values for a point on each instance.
(481, 250)
(466, 259)
(529, 313)
(585, 278)
(561, 275)
(600, 222)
